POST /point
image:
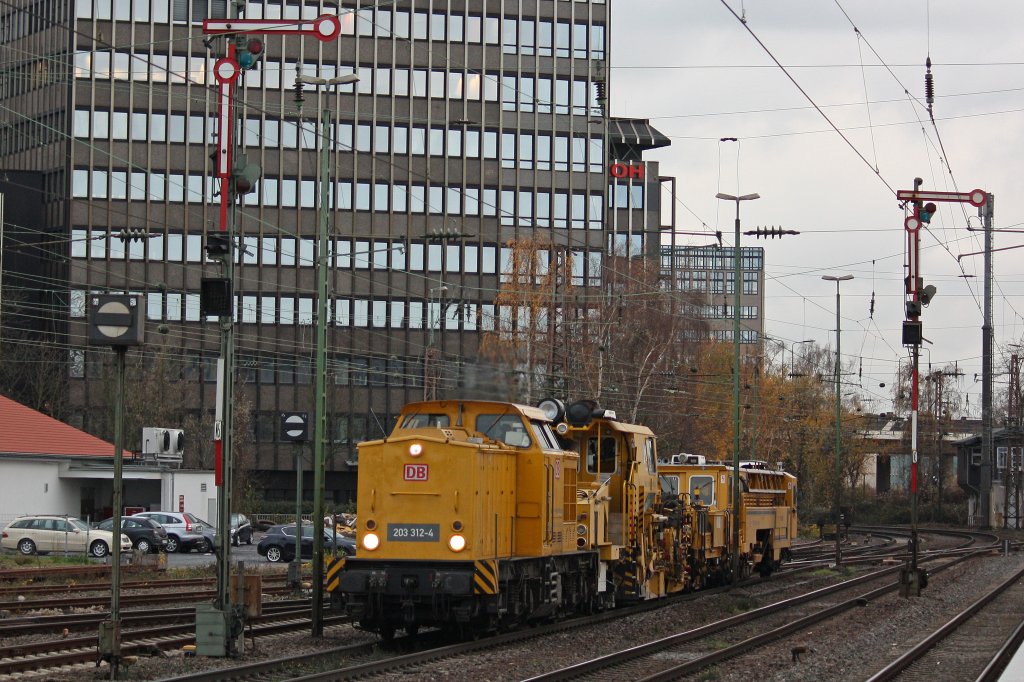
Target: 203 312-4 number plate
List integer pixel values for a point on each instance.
(414, 532)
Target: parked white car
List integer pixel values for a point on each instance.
(44, 534)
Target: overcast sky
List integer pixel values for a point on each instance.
(699, 75)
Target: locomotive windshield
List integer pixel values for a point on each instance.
(421, 421)
(507, 428)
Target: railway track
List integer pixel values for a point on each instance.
(57, 656)
(700, 648)
(76, 623)
(62, 603)
(154, 583)
(337, 664)
(978, 642)
(340, 663)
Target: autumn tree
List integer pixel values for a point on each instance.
(624, 346)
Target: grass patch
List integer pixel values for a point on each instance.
(192, 572)
(9, 561)
(742, 604)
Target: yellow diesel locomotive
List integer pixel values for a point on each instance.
(480, 515)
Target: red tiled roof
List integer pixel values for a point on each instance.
(26, 431)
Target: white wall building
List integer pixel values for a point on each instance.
(49, 467)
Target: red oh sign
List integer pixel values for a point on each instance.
(621, 170)
(415, 472)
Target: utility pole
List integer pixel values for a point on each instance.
(837, 493)
(323, 269)
(941, 418)
(432, 354)
(986, 211)
(323, 265)
(737, 284)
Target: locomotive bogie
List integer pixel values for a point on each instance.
(385, 596)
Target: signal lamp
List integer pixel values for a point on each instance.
(370, 524)
(456, 543)
(926, 212)
(371, 541)
(416, 449)
(457, 526)
(245, 175)
(249, 54)
(926, 294)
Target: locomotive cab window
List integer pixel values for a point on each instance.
(669, 487)
(650, 456)
(702, 488)
(422, 421)
(601, 455)
(544, 435)
(507, 428)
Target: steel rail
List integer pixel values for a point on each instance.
(150, 641)
(51, 588)
(36, 604)
(916, 652)
(602, 663)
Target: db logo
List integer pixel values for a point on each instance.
(415, 472)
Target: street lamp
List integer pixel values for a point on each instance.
(792, 354)
(839, 432)
(792, 366)
(736, 384)
(319, 458)
(432, 355)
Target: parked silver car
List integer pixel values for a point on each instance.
(43, 534)
(185, 531)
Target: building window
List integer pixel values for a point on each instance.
(750, 283)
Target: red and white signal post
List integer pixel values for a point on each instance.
(223, 622)
(913, 579)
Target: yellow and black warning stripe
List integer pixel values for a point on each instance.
(334, 566)
(485, 576)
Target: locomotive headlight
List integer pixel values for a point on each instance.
(581, 529)
(416, 449)
(456, 543)
(371, 541)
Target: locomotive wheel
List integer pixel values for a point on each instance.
(387, 633)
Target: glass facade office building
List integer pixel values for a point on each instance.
(474, 123)
(707, 274)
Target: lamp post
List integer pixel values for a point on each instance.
(736, 383)
(432, 355)
(792, 366)
(839, 431)
(322, 265)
